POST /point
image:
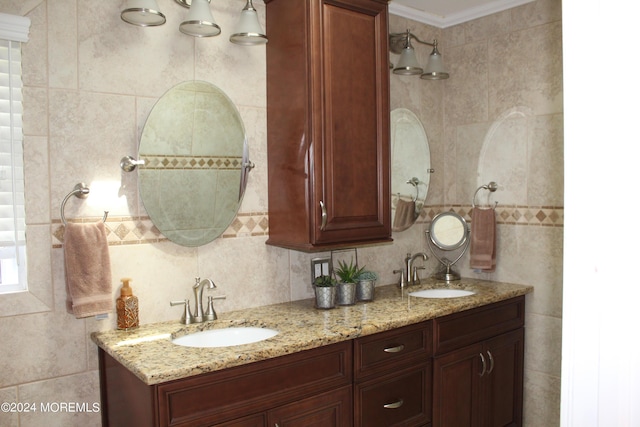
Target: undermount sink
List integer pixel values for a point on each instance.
(225, 337)
(441, 293)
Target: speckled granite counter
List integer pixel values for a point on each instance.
(149, 353)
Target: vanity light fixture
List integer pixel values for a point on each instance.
(400, 43)
(249, 32)
(199, 21)
(144, 13)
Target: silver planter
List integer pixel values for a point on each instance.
(325, 297)
(346, 293)
(365, 290)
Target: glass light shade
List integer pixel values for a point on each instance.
(199, 21)
(435, 67)
(144, 13)
(408, 63)
(249, 32)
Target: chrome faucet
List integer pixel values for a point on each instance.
(409, 274)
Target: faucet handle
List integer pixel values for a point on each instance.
(416, 279)
(403, 279)
(187, 317)
(210, 312)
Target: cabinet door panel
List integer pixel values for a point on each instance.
(503, 385)
(456, 381)
(355, 149)
(332, 409)
(258, 420)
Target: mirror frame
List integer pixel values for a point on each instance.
(438, 242)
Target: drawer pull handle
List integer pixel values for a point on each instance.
(484, 365)
(323, 210)
(490, 362)
(396, 349)
(394, 405)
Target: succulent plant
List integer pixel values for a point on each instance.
(348, 273)
(324, 281)
(367, 275)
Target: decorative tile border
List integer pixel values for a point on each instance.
(546, 216)
(192, 162)
(140, 230)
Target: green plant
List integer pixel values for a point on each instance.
(367, 275)
(324, 281)
(348, 273)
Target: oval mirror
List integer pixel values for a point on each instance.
(195, 163)
(410, 168)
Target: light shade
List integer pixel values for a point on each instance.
(199, 21)
(144, 13)
(435, 67)
(408, 63)
(248, 32)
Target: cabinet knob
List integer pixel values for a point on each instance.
(394, 405)
(396, 349)
(484, 365)
(323, 210)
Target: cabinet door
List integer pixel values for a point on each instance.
(503, 382)
(331, 409)
(481, 384)
(457, 388)
(352, 106)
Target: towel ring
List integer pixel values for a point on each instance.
(81, 191)
(415, 182)
(492, 187)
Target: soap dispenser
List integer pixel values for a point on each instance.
(127, 307)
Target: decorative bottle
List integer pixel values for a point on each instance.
(127, 307)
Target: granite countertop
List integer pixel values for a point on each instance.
(148, 352)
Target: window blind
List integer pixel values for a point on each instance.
(12, 211)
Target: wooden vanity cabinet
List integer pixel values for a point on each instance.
(291, 390)
(392, 377)
(328, 123)
(478, 366)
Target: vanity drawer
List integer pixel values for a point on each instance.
(235, 392)
(467, 327)
(400, 398)
(406, 346)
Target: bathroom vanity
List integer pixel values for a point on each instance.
(395, 361)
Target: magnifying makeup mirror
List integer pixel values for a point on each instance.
(448, 232)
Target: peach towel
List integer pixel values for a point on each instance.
(483, 239)
(87, 269)
(405, 215)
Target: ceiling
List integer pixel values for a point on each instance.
(445, 13)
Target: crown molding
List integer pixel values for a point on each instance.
(454, 18)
